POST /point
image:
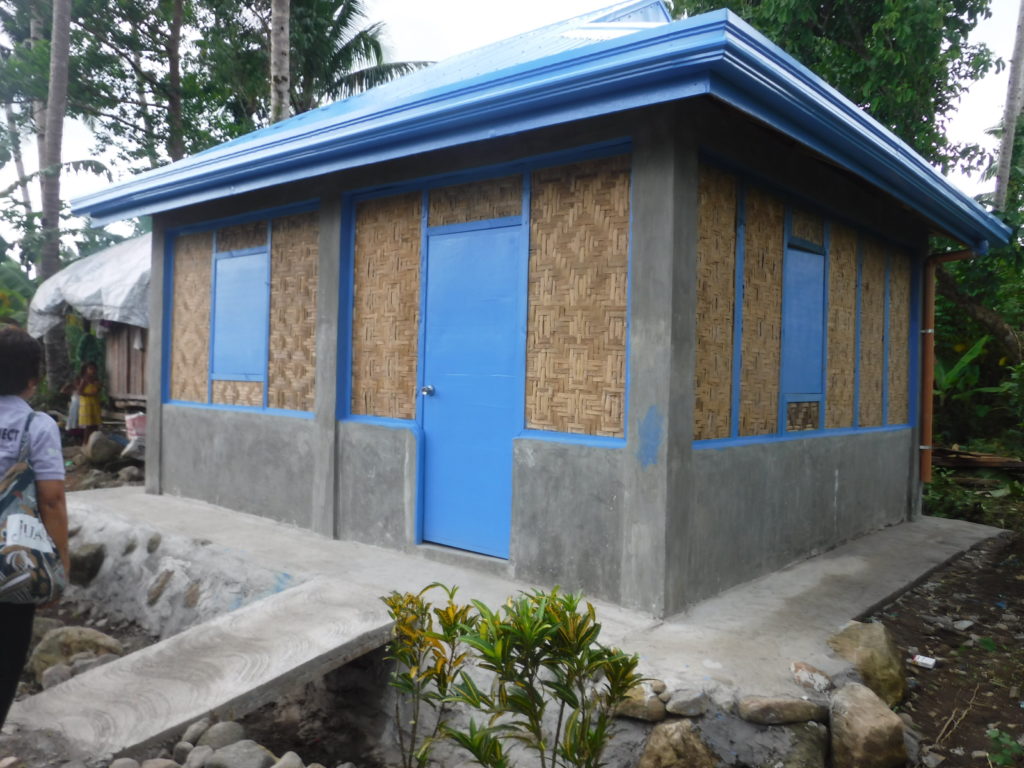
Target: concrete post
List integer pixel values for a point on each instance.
(154, 359)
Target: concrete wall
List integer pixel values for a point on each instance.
(241, 460)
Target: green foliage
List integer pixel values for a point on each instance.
(1005, 750)
(907, 62)
(16, 291)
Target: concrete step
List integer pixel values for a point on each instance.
(229, 666)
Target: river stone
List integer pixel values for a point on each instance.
(241, 754)
(779, 710)
(55, 675)
(124, 762)
(871, 649)
(86, 561)
(810, 677)
(156, 589)
(197, 757)
(289, 760)
(182, 750)
(100, 449)
(642, 703)
(865, 732)
(160, 762)
(41, 625)
(677, 744)
(84, 665)
(131, 474)
(197, 729)
(687, 702)
(221, 735)
(60, 644)
(154, 543)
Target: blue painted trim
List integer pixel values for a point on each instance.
(781, 414)
(885, 336)
(826, 237)
(247, 408)
(270, 298)
(734, 442)
(213, 315)
(238, 377)
(276, 212)
(570, 438)
(421, 440)
(914, 342)
(346, 289)
(167, 313)
(383, 421)
(471, 226)
(737, 315)
(856, 333)
(523, 294)
(805, 245)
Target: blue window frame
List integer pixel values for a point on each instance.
(240, 315)
(803, 340)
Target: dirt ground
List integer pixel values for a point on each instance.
(977, 685)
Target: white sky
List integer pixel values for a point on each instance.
(418, 30)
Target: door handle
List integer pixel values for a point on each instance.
(427, 391)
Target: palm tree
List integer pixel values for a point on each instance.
(280, 49)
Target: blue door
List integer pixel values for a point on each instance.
(470, 400)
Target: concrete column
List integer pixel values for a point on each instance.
(324, 506)
(155, 352)
(659, 422)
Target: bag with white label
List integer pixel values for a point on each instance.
(30, 567)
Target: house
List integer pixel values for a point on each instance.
(620, 304)
(110, 287)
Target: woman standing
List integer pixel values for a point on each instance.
(89, 415)
(20, 360)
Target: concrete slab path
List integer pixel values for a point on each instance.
(741, 641)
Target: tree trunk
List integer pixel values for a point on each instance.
(19, 166)
(35, 35)
(175, 120)
(280, 42)
(1004, 334)
(1010, 113)
(57, 367)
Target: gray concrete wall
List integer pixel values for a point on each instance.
(247, 461)
(760, 507)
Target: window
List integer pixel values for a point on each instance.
(803, 337)
(241, 308)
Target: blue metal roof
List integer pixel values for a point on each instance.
(621, 57)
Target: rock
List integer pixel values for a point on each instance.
(963, 625)
(677, 744)
(60, 644)
(687, 702)
(197, 757)
(810, 677)
(86, 561)
(10, 762)
(181, 751)
(241, 754)
(779, 710)
(932, 760)
(347, 765)
(291, 760)
(55, 675)
(220, 735)
(124, 762)
(94, 478)
(130, 546)
(131, 474)
(657, 686)
(84, 665)
(808, 747)
(156, 589)
(101, 450)
(154, 543)
(160, 762)
(642, 703)
(41, 626)
(865, 732)
(197, 729)
(872, 651)
(192, 595)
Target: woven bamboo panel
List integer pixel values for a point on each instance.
(576, 329)
(762, 314)
(802, 416)
(842, 327)
(490, 199)
(294, 257)
(386, 306)
(190, 321)
(899, 342)
(872, 331)
(807, 226)
(251, 234)
(238, 393)
(716, 297)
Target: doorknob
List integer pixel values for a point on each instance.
(427, 391)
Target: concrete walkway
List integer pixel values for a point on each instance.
(741, 641)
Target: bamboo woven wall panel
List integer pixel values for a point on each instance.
(872, 331)
(238, 393)
(762, 313)
(899, 341)
(716, 297)
(386, 306)
(576, 328)
(807, 226)
(802, 416)
(842, 327)
(490, 199)
(190, 320)
(251, 234)
(294, 258)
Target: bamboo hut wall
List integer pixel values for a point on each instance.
(248, 393)
(250, 234)
(762, 313)
(899, 339)
(190, 319)
(716, 291)
(386, 301)
(842, 327)
(807, 226)
(475, 201)
(126, 361)
(294, 258)
(576, 325)
(872, 332)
